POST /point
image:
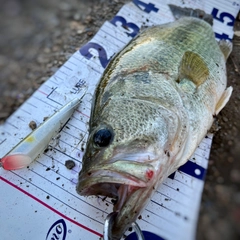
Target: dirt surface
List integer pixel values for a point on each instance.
(37, 37)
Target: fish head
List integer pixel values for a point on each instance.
(125, 156)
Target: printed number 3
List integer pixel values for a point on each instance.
(222, 16)
(126, 25)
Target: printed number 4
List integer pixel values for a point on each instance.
(222, 17)
(148, 7)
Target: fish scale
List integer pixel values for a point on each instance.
(159, 46)
(156, 100)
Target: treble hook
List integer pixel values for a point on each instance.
(107, 231)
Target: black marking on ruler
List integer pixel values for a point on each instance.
(3, 141)
(7, 122)
(192, 169)
(21, 109)
(51, 92)
(55, 76)
(29, 103)
(78, 86)
(20, 118)
(71, 135)
(63, 127)
(44, 102)
(72, 63)
(159, 216)
(75, 127)
(202, 156)
(176, 189)
(168, 198)
(62, 72)
(61, 152)
(48, 96)
(67, 67)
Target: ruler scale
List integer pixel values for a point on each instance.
(41, 202)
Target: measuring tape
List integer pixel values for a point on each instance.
(46, 190)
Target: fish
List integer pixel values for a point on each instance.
(155, 102)
(34, 144)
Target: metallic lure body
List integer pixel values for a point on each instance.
(154, 104)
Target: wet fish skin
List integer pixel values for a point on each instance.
(156, 100)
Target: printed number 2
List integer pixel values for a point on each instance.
(148, 7)
(222, 16)
(101, 52)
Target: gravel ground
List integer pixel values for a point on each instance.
(37, 37)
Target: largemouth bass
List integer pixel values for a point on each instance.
(154, 104)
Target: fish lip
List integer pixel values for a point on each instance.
(88, 183)
(118, 188)
(117, 172)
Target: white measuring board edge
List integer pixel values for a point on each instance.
(41, 202)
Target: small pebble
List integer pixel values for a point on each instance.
(32, 125)
(225, 119)
(69, 164)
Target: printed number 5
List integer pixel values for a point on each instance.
(222, 16)
(101, 52)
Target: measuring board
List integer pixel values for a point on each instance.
(40, 202)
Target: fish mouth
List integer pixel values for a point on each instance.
(114, 180)
(116, 190)
(129, 183)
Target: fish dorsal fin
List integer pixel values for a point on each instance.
(193, 68)
(223, 100)
(179, 12)
(226, 48)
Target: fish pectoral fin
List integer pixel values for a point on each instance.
(225, 47)
(193, 68)
(223, 100)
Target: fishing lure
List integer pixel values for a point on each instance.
(37, 141)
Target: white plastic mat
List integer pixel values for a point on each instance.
(40, 202)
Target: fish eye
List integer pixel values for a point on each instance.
(102, 137)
